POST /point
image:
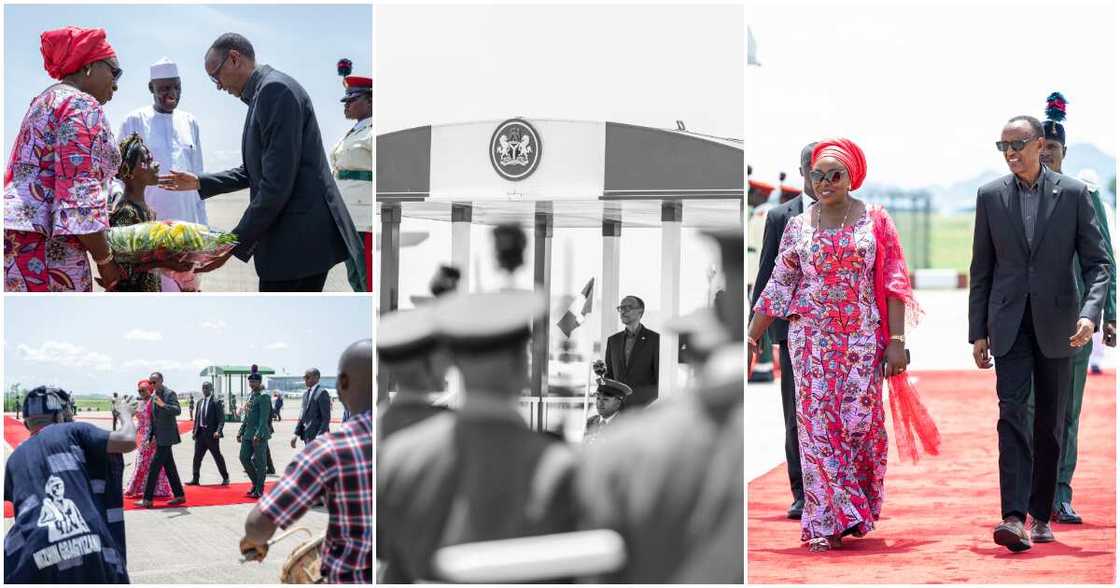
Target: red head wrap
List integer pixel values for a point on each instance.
(144, 385)
(848, 154)
(68, 49)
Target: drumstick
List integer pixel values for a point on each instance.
(275, 540)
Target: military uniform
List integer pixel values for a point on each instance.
(352, 165)
(255, 426)
(476, 476)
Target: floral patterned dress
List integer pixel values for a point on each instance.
(144, 454)
(823, 282)
(56, 188)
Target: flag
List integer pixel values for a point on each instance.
(577, 311)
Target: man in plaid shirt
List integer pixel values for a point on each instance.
(338, 466)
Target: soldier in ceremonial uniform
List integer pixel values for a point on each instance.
(610, 397)
(1052, 156)
(408, 352)
(352, 164)
(479, 473)
(670, 481)
(254, 435)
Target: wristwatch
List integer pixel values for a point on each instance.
(899, 338)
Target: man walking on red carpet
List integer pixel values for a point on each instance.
(1030, 226)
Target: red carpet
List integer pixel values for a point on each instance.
(939, 514)
(197, 496)
(15, 433)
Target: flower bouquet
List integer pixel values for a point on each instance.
(157, 242)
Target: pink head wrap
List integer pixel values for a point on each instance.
(848, 154)
(68, 49)
(144, 385)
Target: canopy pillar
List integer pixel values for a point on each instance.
(461, 215)
(612, 263)
(671, 219)
(542, 282)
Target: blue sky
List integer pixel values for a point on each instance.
(104, 344)
(304, 41)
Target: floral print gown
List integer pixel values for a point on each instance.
(56, 188)
(144, 454)
(823, 282)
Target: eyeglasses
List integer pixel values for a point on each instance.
(1016, 145)
(831, 176)
(626, 308)
(214, 76)
(116, 71)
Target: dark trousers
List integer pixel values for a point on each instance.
(115, 418)
(789, 414)
(313, 283)
(253, 459)
(1029, 449)
(163, 460)
(206, 442)
(1073, 417)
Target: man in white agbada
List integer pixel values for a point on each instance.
(172, 136)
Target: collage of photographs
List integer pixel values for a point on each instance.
(550, 292)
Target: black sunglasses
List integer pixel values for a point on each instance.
(214, 76)
(116, 71)
(832, 176)
(1016, 145)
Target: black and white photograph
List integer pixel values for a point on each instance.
(559, 280)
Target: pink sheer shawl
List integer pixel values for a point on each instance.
(892, 280)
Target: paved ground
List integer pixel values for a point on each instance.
(940, 342)
(224, 212)
(199, 545)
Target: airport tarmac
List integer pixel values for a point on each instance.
(198, 544)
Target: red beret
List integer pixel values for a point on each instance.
(848, 154)
(68, 49)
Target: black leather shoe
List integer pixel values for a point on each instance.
(192, 483)
(1064, 513)
(795, 509)
(1012, 534)
(1041, 532)
(225, 481)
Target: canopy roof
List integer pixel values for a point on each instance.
(234, 370)
(586, 171)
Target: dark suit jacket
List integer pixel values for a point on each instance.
(641, 373)
(1006, 269)
(215, 419)
(317, 418)
(776, 220)
(165, 430)
(296, 224)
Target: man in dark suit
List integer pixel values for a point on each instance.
(633, 353)
(315, 411)
(296, 227)
(207, 434)
(779, 331)
(165, 432)
(1023, 309)
(277, 404)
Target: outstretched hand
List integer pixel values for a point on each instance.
(126, 406)
(252, 551)
(1083, 334)
(179, 181)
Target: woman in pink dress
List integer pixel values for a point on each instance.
(147, 448)
(56, 185)
(842, 282)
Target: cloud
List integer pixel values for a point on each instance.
(201, 363)
(65, 354)
(156, 365)
(142, 335)
(217, 325)
(276, 346)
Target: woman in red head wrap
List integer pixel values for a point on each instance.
(57, 183)
(135, 485)
(842, 282)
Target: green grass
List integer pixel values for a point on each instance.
(95, 404)
(951, 242)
